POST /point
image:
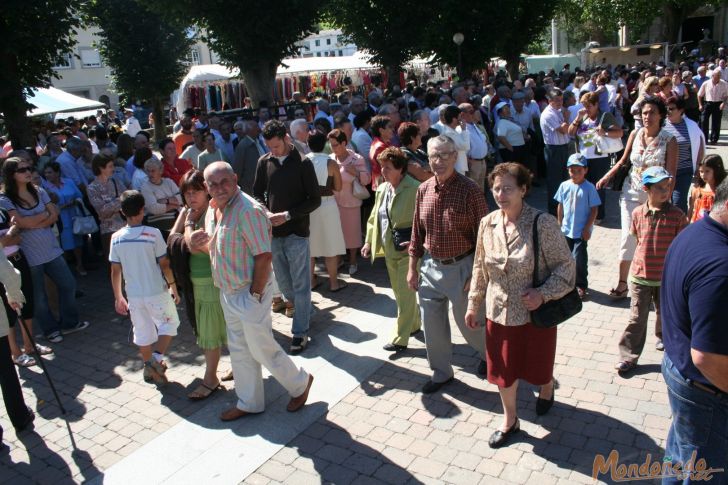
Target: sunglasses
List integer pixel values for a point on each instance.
(23, 170)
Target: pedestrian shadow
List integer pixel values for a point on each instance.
(70, 375)
(44, 462)
(601, 298)
(641, 370)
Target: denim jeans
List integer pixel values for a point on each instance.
(699, 424)
(556, 172)
(578, 249)
(292, 266)
(598, 168)
(682, 188)
(57, 270)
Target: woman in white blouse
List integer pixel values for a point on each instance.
(162, 199)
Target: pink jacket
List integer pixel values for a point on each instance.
(345, 197)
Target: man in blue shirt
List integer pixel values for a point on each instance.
(700, 78)
(695, 335)
(578, 206)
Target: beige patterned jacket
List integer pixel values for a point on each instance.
(503, 269)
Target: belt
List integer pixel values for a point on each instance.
(455, 259)
(477, 159)
(706, 388)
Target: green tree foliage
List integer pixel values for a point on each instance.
(390, 32)
(601, 19)
(252, 35)
(35, 34)
(144, 50)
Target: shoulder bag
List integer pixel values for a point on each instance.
(359, 191)
(606, 144)
(83, 222)
(551, 313)
(399, 236)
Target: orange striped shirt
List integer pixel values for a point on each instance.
(655, 230)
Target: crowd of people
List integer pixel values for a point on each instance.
(232, 216)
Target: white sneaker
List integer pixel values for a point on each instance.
(80, 326)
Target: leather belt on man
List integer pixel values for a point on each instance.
(706, 388)
(476, 159)
(455, 259)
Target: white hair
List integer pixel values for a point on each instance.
(297, 125)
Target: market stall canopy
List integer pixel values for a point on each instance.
(217, 72)
(52, 100)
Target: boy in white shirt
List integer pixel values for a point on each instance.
(139, 253)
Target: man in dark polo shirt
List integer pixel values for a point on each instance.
(695, 335)
(286, 184)
(448, 211)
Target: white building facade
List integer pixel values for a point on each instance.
(326, 43)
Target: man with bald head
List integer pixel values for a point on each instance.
(237, 235)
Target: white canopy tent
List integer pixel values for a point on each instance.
(52, 100)
(217, 72)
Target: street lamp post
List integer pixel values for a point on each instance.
(458, 38)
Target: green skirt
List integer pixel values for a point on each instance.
(211, 332)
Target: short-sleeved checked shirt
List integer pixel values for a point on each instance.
(447, 217)
(655, 230)
(243, 232)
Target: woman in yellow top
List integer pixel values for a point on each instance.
(394, 207)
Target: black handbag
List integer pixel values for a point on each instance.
(621, 175)
(554, 312)
(399, 236)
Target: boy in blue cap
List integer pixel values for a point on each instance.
(655, 224)
(578, 205)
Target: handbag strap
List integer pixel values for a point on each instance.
(116, 189)
(82, 207)
(535, 250)
(386, 210)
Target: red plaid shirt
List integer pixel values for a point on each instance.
(447, 217)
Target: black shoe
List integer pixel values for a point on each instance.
(27, 422)
(431, 387)
(499, 438)
(415, 332)
(298, 344)
(390, 347)
(482, 370)
(543, 405)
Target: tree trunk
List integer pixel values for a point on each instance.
(512, 61)
(160, 127)
(259, 80)
(392, 75)
(672, 20)
(13, 105)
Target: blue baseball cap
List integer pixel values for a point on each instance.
(577, 159)
(653, 175)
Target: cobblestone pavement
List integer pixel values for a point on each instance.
(384, 430)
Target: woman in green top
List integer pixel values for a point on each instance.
(194, 274)
(394, 207)
(210, 154)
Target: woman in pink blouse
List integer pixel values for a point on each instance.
(352, 166)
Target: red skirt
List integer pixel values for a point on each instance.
(519, 352)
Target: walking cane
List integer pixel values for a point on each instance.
(42, 364)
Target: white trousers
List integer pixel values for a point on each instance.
(251, 345)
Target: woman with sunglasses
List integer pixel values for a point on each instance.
(34, 214)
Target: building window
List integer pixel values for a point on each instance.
(341, 53)
(318, 42)
(66, 62)
(318, 54)
(89, 58)
(193, 58)
(328, 41)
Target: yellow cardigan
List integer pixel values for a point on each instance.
(401, 213)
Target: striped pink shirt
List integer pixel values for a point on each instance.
(243, 232)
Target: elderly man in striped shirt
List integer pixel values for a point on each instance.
(237, 236)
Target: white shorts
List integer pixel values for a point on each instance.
(152, 316)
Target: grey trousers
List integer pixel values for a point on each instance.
(440, 286)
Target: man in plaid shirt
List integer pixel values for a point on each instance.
(448, 210)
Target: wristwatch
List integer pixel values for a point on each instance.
(288, 216)
(258, 297)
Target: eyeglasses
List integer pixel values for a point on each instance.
(506, 189)
(215, 185)
(23, 170)
(439, 155)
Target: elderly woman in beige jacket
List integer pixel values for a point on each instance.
(515, 349)
(18, 412)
